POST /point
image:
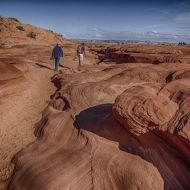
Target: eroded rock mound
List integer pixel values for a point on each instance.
(140, 109)
(12, 80)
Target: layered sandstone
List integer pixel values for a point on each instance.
(111, 127)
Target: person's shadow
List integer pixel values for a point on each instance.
(151, 146)
(44, 66)
(64, 66)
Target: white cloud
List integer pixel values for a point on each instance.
(165, 12)
(155, 25)
(94, 29)
(185, 3)
(98, 35)
(183, 17)
(147, 36)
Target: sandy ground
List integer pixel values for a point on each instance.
(18, 115)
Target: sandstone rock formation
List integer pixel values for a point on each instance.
(141, 53)
(111, 127)
(122, 124)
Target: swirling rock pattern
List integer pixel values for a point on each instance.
(75, 159)
(140, 110)
(122, 126)
(12, 80)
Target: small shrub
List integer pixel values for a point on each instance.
(32, 35)
(14, 19)
(90, 46)
(20, 28)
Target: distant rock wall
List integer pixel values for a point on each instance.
(153, 54)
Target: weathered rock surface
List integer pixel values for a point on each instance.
(112, 127)
(11, 79)
(141, 53)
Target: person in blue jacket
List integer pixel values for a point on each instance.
(56, 54)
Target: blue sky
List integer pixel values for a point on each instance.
(154, 20)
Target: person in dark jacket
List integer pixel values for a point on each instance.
(56, 54)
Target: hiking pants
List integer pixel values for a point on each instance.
(57, 62)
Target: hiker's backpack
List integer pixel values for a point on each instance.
(79, 49)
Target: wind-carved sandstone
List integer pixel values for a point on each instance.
(140, 109)
(111, 126)
(114, 131)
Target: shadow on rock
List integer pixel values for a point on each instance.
(170, 162)
(43, 66)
